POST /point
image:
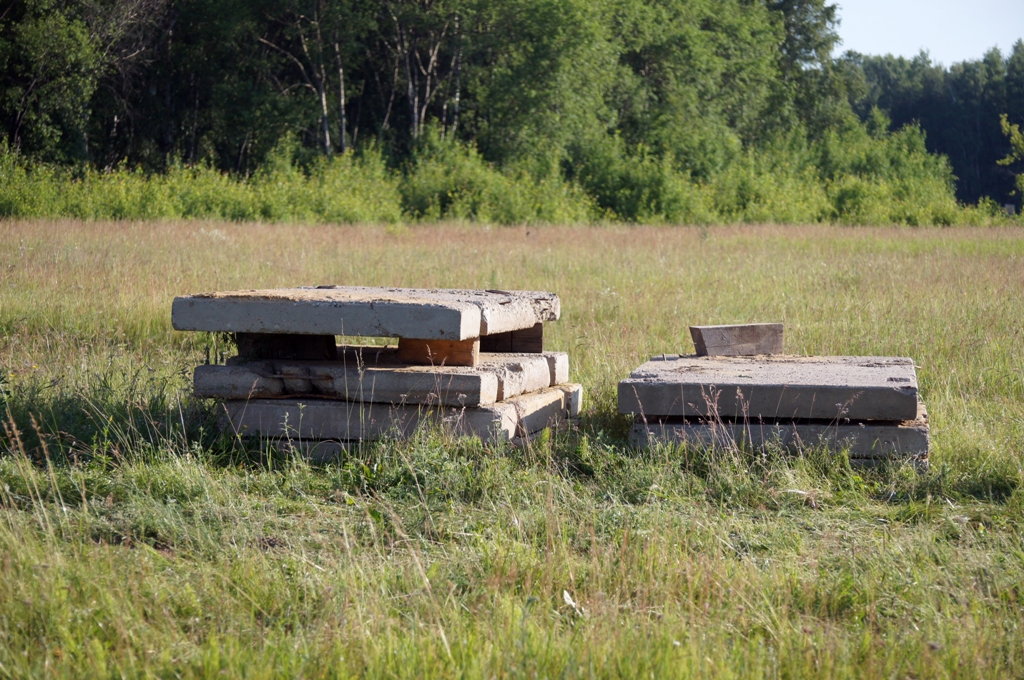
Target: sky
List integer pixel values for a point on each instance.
(950, 30)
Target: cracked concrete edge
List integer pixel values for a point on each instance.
(336, 420)
(499, 377)
(359, 311)
(885, 441)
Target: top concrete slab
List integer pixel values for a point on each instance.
(430, 314)
(773, 387)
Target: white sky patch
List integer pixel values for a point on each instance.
(949, 30)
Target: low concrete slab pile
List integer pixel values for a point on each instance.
(867, 405)
(473, 361)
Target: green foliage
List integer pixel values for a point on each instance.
(49, 64)
(1016, 139)
(850, 177)
(448, 180)
(957, 106)
(345, 188)
(765, 187)
(515, 111)
(543, 76)
(886, 178)
(699, 80)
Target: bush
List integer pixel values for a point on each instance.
(349, 188)
(877, 178)
(448, 180)
(856, 174)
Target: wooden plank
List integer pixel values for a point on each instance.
(259, 346)
(419, 352)
(350, 381)
(737, 340)
(525, 341)
(497, 343)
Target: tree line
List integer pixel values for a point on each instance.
(639, 110)
(959, 108)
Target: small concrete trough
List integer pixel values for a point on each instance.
(737, 340)
(867, 406)
(472, 362)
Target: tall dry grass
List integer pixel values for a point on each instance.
(136, 541)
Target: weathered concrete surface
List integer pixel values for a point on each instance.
(236, 382)
(737, 340)
(349, 421)
(543, 408)
(326, 450)
(361, 311)
(775, 387)
(558, 362)
(375, 375)
(886, 440)
(518, 375)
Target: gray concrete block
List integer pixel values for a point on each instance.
(329, 450)
(888, 441)
(518, 375)
(373, 375)
(774, 387)
(547, 407)
(737, 340)
(351, 382)
(559, 365)
(353, 421)
(361, 311)
(236, 382)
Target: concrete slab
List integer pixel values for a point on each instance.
(237, 382)
(328, 450)
(375, 375)
(774, 387)
(737, 340)
(321, 419)
(888, 441)
(518, 375)
(431, 314)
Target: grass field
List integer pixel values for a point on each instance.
(137, 542)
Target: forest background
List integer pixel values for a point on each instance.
(509, 111)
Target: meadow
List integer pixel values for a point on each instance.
(136, 541)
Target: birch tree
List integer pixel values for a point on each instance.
(317, 38)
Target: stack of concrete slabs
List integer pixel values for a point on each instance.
(292, 383)
(868, 406)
